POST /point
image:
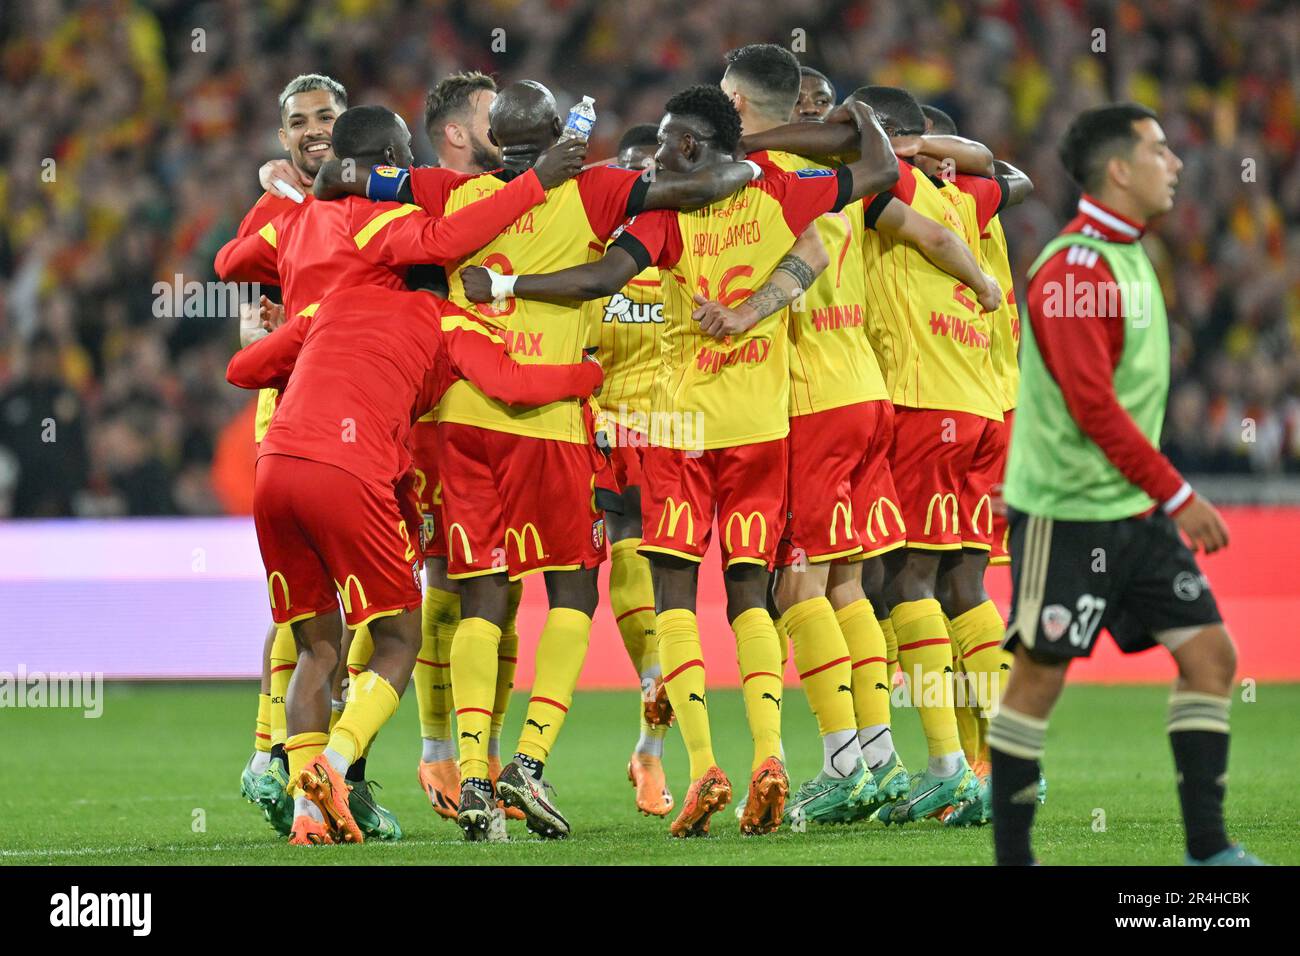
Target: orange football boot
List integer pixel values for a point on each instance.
(653, 797)
(494, 772)
(325, 787)
(309, 832)
(656, 707)
(768, 789)
(440, 781)
(706, 797)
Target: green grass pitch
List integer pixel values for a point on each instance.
(128, 788)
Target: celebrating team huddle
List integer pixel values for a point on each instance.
(770, 318)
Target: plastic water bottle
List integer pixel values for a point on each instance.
(582, 118)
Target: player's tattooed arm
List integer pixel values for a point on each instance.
(576, 284)
(792, 277)
(941, 246)
(1019, 186)
(669, 190)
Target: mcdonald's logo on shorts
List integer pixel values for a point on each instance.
(746, 524)
(345, 592)
(947, 503)
(284, 585)
(464, 541)
(521, 538)
(984, 505)
(672, 512)
(844, 510)
(876, 518)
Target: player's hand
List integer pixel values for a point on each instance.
(477, 282)
(562, 161)
(719, 321)
(1203, 525)
(283, 170)
(990, 297)
(250, 324)
(270, 313)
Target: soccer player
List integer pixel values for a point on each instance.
(1085, 478)
(816, 96)
(325, 505)
(718, 435)
(974, 622)
(628, 326)
(519, 488)
(309, 105)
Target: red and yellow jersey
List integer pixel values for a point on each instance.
(625, 329)
(932, 341)
(708, 393)
(568, 229)
(831, 361)
(1006, 321)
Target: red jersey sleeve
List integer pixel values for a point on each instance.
(251, 258)
(478, 354)
(267, 207)
(989, 193)
(1081, 354)
(905, 188)
(806, 194)
(407, 235)
(431, 185)
(652, 238)
(269, 361)
(610, 194)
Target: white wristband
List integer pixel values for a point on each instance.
(1179, 496)
(503, 287)
(758, 170)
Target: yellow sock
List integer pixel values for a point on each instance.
(783, 639)
(302, 749)
(978, 635)
(968, 731)
(560, 652)
(507, 658)
(683, 666)
(371, 701)
(891, 648)
(284, 658)
(360, 651)
(432, 675)
(866, 643)
(262, 735)
(924, 652)
(758, 651)
(473, 684)
(822, 658)
(632, 598)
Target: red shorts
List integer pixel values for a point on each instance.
(842, 503)
(626, 461)
(428, 486)
(1001, 551)
(516, 504)
(326, 535)
(944, 465)
(745, 486)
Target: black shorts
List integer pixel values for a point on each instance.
(1070, 579)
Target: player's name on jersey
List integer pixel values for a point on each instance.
(622, 309)
(832, 317)
(753, 352)
(961, 331)
(716, 243)
(1087, 298)
(630, 428)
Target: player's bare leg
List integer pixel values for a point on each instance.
(632, 612)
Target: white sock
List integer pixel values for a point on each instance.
(338, 705)
(261, 760)
(302, 807)
(652, 741)
(945, 765)
(494, 746)
(336, 761)
(877, 744)
(437, 748)
(840, 753)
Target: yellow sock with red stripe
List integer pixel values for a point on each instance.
(758, 651)
(926, 659)
(371, 702)
(302, 749)
(967, 721)
(439, 617)
(632, 599)
(978, 633)
(473, 686)
(284, 658)
(891, 648)
(682, 661)
(866, 643)
(360, 651)
(560, 652)
(822, 659)
(262, 735)
(507, 661)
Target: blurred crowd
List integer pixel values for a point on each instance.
(134, 129)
